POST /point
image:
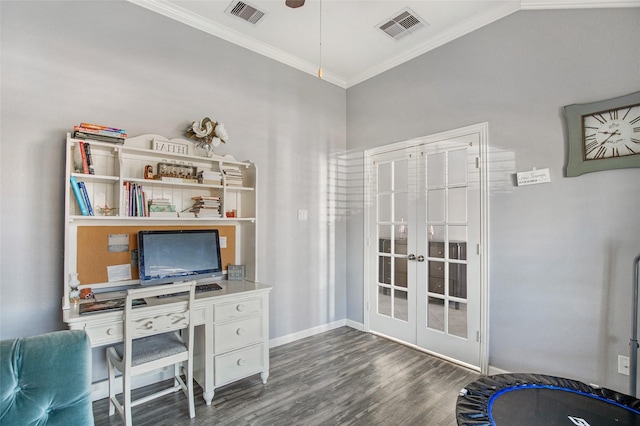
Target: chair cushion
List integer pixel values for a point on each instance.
(46, 380)
(151, 348)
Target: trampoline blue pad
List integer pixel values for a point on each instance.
(550, 406)
(541, 400)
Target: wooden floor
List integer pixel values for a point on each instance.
(341, 377)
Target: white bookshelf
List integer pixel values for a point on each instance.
(116, 164)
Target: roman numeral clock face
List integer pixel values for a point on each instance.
(612, 133)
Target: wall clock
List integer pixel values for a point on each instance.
(603, 135)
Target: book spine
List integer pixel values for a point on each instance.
(79, 196)
(85, 197)
(87, 150)
(127, 189)
(100, 138)
(77, 159)
(140, 203)
(109, 133)
(99, 127)
(83, 152)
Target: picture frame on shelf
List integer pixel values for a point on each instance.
(235, 272)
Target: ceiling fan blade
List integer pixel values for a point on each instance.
(294, 3)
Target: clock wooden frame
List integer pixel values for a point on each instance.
(576, 164)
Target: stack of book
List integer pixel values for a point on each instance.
(205, 206)
(82, 197)
(135, 200)
(82, 159)
(232, 176)
(161, 207)
(100, 133)
(210, 177)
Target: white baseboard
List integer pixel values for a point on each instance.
(289, 338)
(496, 370)
(357, 325)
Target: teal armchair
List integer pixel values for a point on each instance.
(46, 380)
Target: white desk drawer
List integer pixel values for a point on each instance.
(225, 311)
(238, 364)
(102, 334)
(236, 334)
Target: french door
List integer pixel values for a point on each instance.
(425, 265)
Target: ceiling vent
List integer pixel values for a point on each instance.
(245, 11)
(402, 24)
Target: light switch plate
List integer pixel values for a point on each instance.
(302, 214)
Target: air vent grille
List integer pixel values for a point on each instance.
(245, 11)
(402, 24)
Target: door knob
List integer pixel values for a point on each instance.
(421, 258)
(411, 257)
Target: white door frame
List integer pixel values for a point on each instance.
(482, 129)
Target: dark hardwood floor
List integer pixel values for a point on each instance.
(341, 377)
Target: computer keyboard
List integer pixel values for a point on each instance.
(201, 288)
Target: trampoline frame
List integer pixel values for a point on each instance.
(475, 401)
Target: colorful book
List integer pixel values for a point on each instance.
(87, 151)
(113, 134)
(100, 127)
(99, 138)
(79, 196)
(83, 152)
(85, 197)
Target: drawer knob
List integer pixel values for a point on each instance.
(240, 307)
(240, 331)
(241, 362)
(149, 325)
(111, 332)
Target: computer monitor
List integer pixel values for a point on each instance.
(168, 256)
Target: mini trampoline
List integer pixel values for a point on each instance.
(540, 400)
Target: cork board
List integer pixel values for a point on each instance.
(93, 243)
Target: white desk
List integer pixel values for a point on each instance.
(231, 335)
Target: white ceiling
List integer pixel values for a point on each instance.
(353, 49)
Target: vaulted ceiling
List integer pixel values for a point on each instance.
(350, 40)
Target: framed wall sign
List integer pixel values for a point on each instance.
(603, 135)
(235, 272)
(172, 146)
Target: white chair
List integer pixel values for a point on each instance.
(151, 341)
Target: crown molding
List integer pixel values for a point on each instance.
(451, 34)
(576, 4)
(177, 13)
(184, 16)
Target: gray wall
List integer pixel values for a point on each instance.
(560, 253)
(117, 64)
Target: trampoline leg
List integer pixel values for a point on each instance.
(633, 361)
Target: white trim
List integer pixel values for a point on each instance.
(306, 333)
(180, 14)
(355, 325)
(576, 4)
(443, 38)
(495, 370)
(437, 355)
